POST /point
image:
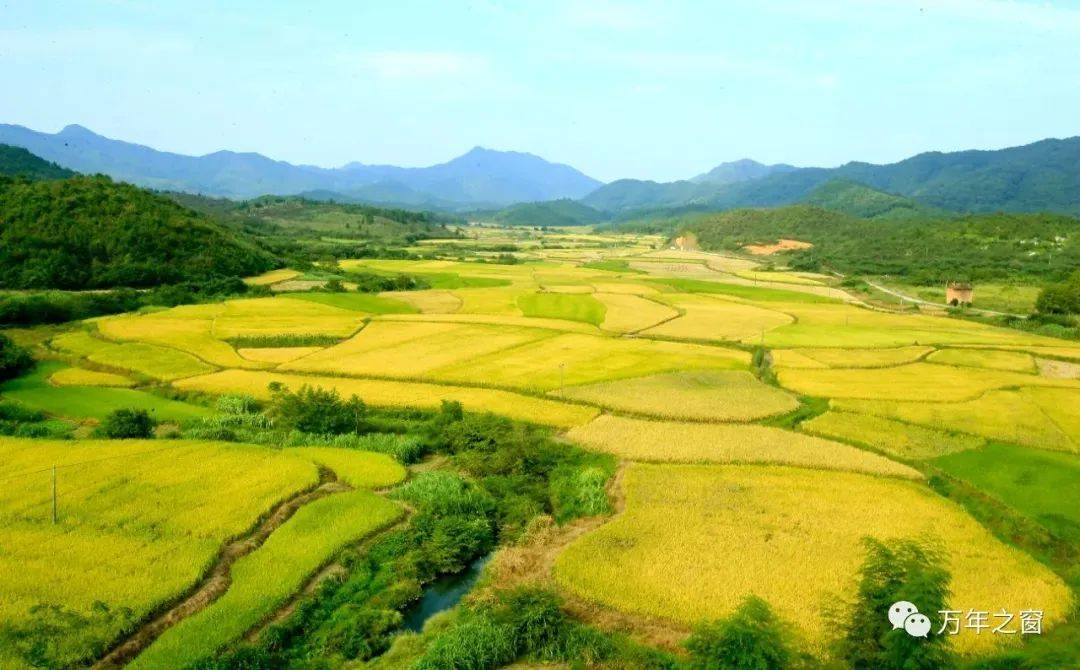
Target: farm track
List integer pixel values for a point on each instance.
(217, 580)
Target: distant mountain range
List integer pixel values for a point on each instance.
(481, 177)
(1044, 176)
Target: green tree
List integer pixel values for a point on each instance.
(752, 638)
(317, 410)
(1062, 298)
(904, 570)
(122, 424)
(14, 360)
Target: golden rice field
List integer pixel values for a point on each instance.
(415, 348)
(263, 580)
(561, 325)
(674, 442)
(277, 355)
(901, 440)
(84, 377)
(848, 326)
(1045, 418)
(913, 382)
(1014, 361)
(779, 277)
(188, 328)
(722, 395)
(428, 302)
(283, 316)
(271, 277)
(694, 541)
(847, 358)
(574, 359)
(139, 520)
(156, 362)
(386, 393)
(359, 469)
(716, 508)
(708, 317)
(629, 313)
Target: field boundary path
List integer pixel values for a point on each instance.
(217, 580)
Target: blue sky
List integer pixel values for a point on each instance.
(656, 90)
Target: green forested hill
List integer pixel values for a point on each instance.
(301, 216)
(18, 162)
(1043, 176)
(91, 232)
(551, 213)
(924, 250)
(850, 197)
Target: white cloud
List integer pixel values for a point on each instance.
(422, 64)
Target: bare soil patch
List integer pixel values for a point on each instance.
(781, 245)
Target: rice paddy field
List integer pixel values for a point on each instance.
(726, 395)
(138, 521)
(695, 540)
(765, 422)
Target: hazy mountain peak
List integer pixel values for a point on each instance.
(743, 169)
(75, 130)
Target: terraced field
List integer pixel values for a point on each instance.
(765, 422)
(139, 521)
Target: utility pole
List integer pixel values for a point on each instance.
(54, 517)
(562, 380)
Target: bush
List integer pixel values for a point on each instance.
(1063, 298)
(317, 410)
(752, 638)
(124, 424)
(14, 360)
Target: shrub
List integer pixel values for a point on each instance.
(124, 424)
(317, 410)
(1062, 298)
(752, 638)
(14, 360)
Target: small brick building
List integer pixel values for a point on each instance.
(958, 293)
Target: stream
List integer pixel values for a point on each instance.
(442, 594)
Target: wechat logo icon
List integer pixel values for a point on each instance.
(903, 614)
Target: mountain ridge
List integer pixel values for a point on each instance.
(479, 177)
(1040, 176)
